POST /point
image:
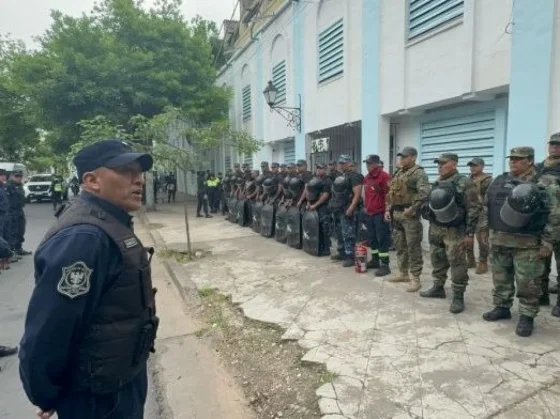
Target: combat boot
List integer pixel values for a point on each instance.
(482, 268)
(437, 291)
(497, 313)
(383, 270)
(544, 300)
(337, 257)
(525, 326)
(458, 303)
(400, 277)
(471, 262)
(556, 308)
(414, 284)
(374, 262)
(22, 252)
(348, 263)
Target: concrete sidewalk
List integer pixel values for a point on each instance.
(395, 355)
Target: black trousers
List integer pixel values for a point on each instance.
(202, 203)
(379, 236)
(171, 195)
(325, 221)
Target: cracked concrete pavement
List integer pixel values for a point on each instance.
(393, 354)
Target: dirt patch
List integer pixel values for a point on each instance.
(270, 370)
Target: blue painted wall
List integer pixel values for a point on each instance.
(298, 72)
(370, 77)
(531, 60)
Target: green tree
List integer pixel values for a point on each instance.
(18, 133)
(118, 61)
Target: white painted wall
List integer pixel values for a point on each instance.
(554, 109)
(335, 101)
(469, 55)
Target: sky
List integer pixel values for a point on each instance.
(24, 19)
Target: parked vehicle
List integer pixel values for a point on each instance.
(39, 188)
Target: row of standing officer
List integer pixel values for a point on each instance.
(518, 211)
(12, 217)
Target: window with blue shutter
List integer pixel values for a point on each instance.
(425, 15)
(468, 136)
(246, 94)
(290, 152)
(331, 51)
(279, 80)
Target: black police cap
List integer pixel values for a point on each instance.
(110, 154)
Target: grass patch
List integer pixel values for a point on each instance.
(182, 256)
(327, 377)
(206, 292)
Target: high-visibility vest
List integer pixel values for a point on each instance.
(212, 183)
(58, 187)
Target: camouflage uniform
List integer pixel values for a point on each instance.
(482, 183)
(408, 189)
(515, 257)
(549, 176)
(446, 242)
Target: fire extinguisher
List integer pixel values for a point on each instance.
(361, 258)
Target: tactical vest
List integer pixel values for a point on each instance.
(117, 343)
(549, 171)
(402, 190)
(314, 189)
(497, 194)
(341, 192)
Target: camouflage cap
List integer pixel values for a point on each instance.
(344, 158)
(408, 151)
(321, 166)
(477, 161)
(302, 162)
(445, 157)
(274, 164)
(372, 158)
(290, 165)
(522, 152)
(264, 164)
(554, 138)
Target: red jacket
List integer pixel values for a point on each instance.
(376, 187)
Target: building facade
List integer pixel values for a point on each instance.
(476, 77)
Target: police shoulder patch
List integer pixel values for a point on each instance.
(75, 280)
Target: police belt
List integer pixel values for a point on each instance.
(400, 207)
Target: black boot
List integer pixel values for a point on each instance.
(497, 313)
(525, 326)
(556, 308)
(22, 252)
(374, 262)
(348, 262)
(458, 303)
(383, 270)
(7, 351)
(436, 291)
(337, 257)
(544, 300)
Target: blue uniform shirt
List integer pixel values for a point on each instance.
(55, 323)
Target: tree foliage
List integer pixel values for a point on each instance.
(119, 61)
(18, 133)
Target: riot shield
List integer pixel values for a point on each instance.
(293, 228)
(242, 212)
(361, 228)
(256, 224)
(267, 220)
(310, 232)
(233, 202)
(280, 227)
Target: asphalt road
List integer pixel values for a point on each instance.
(16, 286)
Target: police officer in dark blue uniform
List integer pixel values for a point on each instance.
(16, 197)
(91, 321)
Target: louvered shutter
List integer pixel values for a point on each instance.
(290, 152)
(424, 15)
(279, 81)
(467, 136)
(331, 51)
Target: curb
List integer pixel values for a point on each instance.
(185, 286)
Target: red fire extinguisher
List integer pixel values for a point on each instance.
(361, 258)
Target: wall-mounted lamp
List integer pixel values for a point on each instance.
(292, 115)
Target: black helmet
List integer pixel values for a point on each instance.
(442, 203)
(522, 203)
(296, 186)
(250, 186)
(270, 186)
(314, 188)
(340, 184)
